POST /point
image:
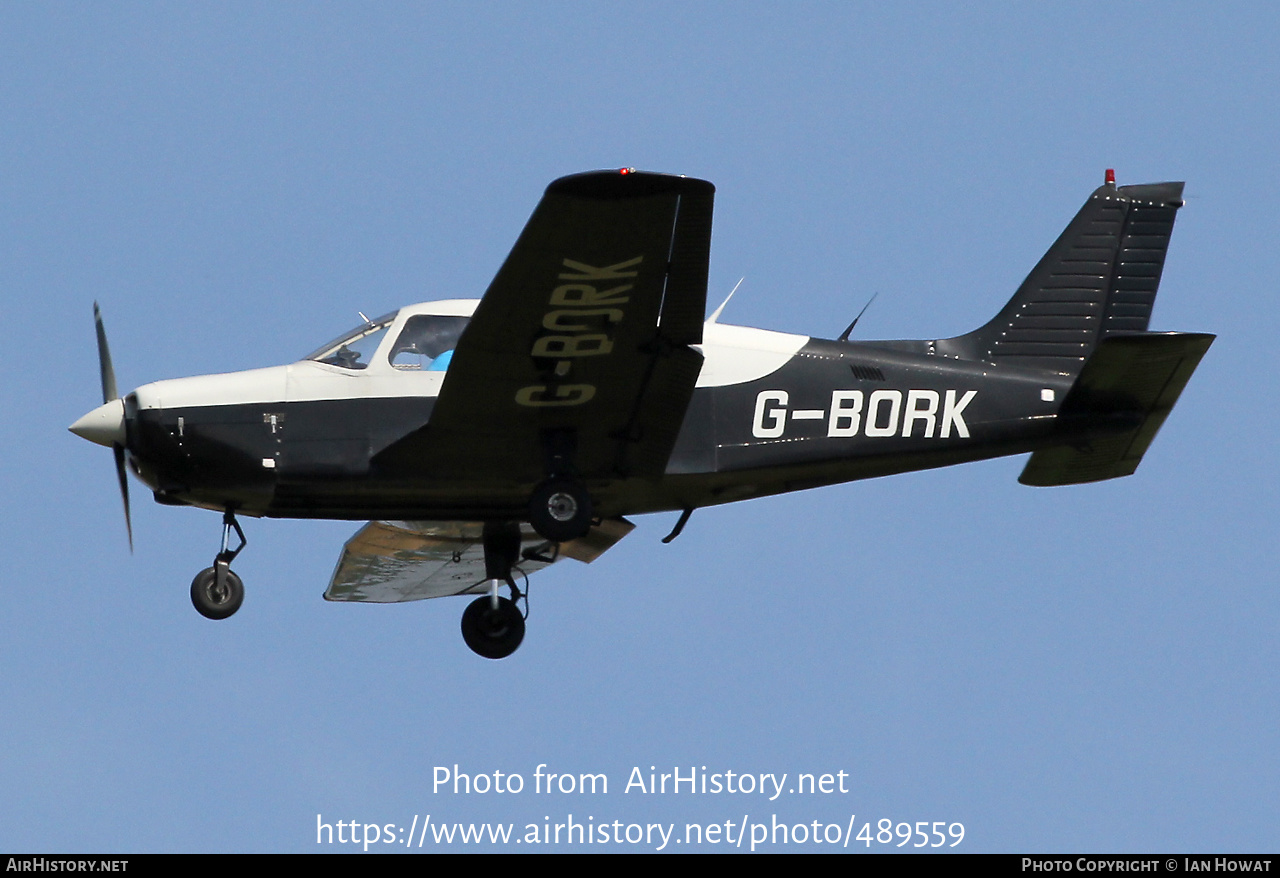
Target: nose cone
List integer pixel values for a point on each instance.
(104, 425)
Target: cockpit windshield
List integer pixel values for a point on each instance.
(355, 349)
(427, 342)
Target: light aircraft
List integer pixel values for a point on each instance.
(486, 439)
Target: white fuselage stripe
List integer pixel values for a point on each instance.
(732, 355)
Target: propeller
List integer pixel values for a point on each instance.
(106, 425)
(124, 490)
(104, 358)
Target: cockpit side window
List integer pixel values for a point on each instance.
(355, 349)
(427, 342)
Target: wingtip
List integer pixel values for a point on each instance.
(627, 183)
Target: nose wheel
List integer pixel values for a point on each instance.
(216, 592)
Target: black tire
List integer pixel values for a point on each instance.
(492, 633)
(560, 510)
(212, 602)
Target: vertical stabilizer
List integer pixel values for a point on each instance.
(1097, 280)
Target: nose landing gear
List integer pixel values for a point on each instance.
(216, 592)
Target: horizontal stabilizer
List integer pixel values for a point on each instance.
(1139, 376)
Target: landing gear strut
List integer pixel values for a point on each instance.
(493, 626)
(216, 592)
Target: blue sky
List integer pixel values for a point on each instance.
(1084, 668)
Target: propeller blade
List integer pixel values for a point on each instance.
(109, 393)
(104, 359)
(124, 490)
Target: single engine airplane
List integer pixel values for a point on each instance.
(486, 439)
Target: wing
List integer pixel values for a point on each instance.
(579, 356)
(391, 561)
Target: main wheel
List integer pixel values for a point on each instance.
(213, 602)
(492, 633)
(560, 510)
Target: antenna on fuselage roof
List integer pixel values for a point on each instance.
(844, 336)
(715, 315)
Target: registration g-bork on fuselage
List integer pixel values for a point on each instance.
(489, 438)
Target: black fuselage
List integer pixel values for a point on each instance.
(830, 412)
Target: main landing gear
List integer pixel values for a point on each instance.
(493, 626)
(216, 592)
(560, 509)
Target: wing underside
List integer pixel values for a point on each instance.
(394, 561)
